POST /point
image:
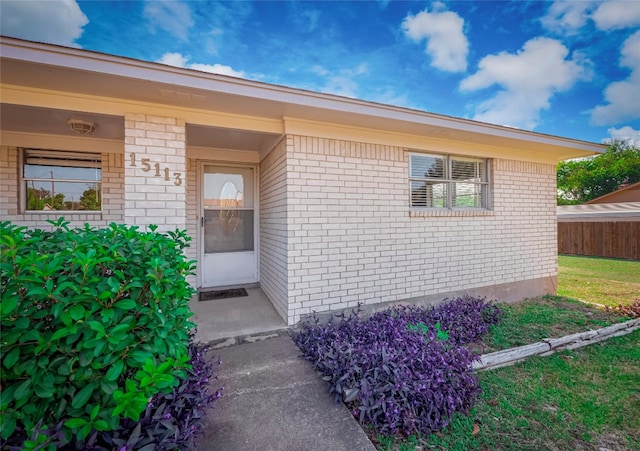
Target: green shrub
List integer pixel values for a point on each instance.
(95, 322)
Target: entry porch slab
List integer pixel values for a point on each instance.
(234, 319)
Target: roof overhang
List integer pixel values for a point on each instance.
(633, 191)
(626, 210)
(27, 66)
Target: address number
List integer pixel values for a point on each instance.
(145, 163)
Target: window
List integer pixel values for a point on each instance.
(56, 180)
(447, 181)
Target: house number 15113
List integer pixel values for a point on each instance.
(146, 167)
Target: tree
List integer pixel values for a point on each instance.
(58, 201)
(91, 199)
(580, 181)
(36, 198)
(40, 199)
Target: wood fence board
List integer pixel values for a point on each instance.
(600, 239)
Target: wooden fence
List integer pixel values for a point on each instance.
(600, 239)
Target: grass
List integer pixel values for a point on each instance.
(603, 281)
(549, 316)
(583, 399)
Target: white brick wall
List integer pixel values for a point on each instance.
(8, 182)
(154, 196)
(274, 236)
(112, 192)
(352, 239)
(335, 227)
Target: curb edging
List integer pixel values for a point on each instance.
(550, 346)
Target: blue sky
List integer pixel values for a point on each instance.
(567, 68)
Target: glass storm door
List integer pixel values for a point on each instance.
(228, 224)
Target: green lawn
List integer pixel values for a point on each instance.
(544, 317)
(585, 399)
(603, 281)
(581, 400)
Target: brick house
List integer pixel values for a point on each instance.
(324, 201)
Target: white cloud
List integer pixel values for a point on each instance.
(529, 78)
(172, 17)
(568, 17)
(319, 70)
(615, 14)
(343, 83)
(446, 43)
(55, 22)
(627, 133)
(217, 69)
(623, 97)
(173, 59)
(179, 60)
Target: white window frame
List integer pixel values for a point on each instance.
(450, 182)
(60, 158)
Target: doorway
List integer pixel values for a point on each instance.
(229, 226)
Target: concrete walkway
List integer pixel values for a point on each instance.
(275, 401)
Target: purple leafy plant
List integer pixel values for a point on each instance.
(396, 377)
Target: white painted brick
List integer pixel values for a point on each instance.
(149, 142)
(112, 202)
(374, 250)
(162, 201)
(274, 261)
(335, 228)
(161, 120)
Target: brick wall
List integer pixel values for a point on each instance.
(192, 214)
(130, 194)
(353, 240)
(112, 192)
(273, 230)
(151, 195)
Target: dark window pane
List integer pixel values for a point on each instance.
(228, 231)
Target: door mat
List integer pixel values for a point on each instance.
(222, 294)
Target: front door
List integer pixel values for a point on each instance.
(228, 226)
